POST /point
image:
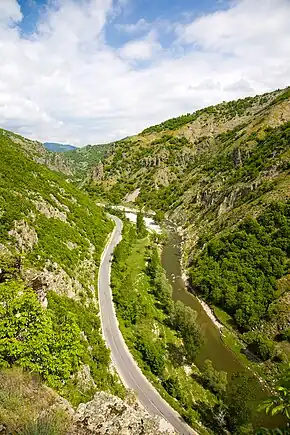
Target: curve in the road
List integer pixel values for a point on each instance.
(127, 368)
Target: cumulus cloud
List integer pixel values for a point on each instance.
(65, 83)
(9, 11)
(143, 49)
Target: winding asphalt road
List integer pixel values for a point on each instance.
(128, 370)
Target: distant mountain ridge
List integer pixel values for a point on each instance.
(58, 147)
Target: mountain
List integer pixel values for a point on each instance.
(222, 175)
(58, 147)
(36, 151)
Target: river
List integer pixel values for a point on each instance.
(213, 347)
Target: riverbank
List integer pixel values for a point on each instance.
(205, 306)
(221, 343)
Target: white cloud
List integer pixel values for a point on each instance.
(143, 49)
(10, 11)
(66, 84)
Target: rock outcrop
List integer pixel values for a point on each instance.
(107, 414)
(98, 172)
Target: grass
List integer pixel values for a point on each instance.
(29, 408)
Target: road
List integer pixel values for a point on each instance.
(128, 370)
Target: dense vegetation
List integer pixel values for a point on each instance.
(51, 236)
(240, 270)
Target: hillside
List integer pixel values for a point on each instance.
(51, 347)
(36, 151)
(51, 239)
(84, 162)
(222, 175)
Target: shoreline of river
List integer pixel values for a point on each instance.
(188, 287)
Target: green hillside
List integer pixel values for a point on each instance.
(84, 160)
(51, 239)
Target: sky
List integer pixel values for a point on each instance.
(94, 71)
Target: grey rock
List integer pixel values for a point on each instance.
(107, 414)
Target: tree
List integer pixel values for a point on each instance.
(260, 344)
(213, 379)
(240, 395)
(152, 352)
(140, 226)
(183, 321)
(29, 337)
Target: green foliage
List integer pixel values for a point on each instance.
(153, 353)
(92, 347)
(285, 335)
(161, 288)
(260, 345)
(239, 271)
(213, 379)
(280, 402)
(240, 400)
(59, 229)
(30, 339)
(84, 159)
(182, 319)
(140, 226)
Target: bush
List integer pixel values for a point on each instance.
(213, 379)
(183, 321)
(260, 345)
(29, 338)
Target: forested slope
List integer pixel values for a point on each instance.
(51, 239)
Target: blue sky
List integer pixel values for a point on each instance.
(91, 71)
(148, 10)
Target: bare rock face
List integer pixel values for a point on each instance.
(98, 172)
(132, 196)
(51, 278)
(49, 211)
(25, 236)
(84, 378)
(107, 414)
